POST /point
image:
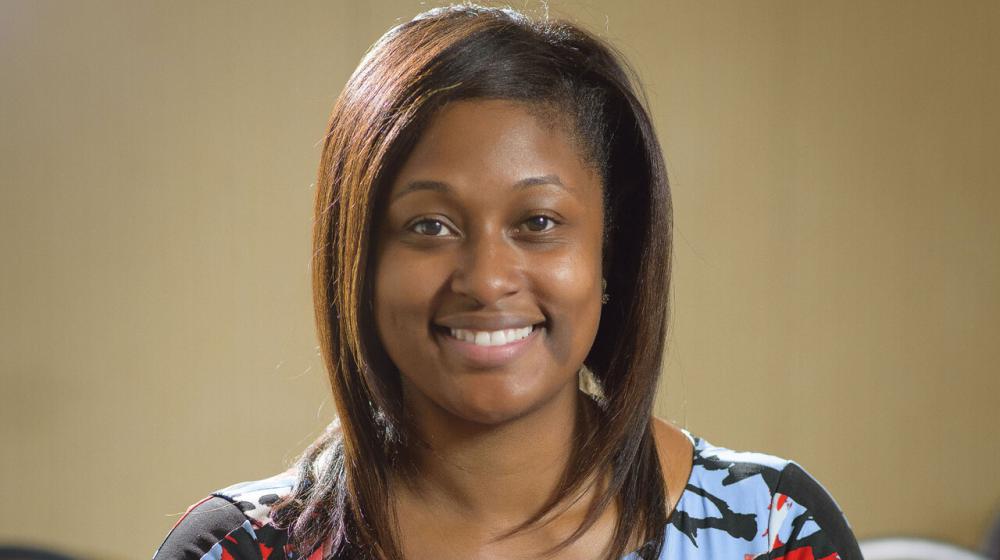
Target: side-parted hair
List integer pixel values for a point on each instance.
(342, 498)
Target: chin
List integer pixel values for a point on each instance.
(494, 406)
(490, 414)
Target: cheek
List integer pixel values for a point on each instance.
(575, 273)
(405, 289)
(573, 287)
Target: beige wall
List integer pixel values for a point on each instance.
(838, 248)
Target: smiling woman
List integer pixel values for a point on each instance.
(493, 225)
(513, 243)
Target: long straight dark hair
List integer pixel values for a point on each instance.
(342, 498)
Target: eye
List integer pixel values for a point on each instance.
(430, 227)
(540, 223)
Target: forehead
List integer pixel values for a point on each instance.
(489, 143)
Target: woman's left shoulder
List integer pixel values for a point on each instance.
(805, 515)
(762, 498)
(676, 450)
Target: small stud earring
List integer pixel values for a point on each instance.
(605, 298)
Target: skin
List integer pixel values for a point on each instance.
(497, 437)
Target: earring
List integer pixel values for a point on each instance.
(605, 298)
(591, 386)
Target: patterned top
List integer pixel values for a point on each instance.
(736, 506)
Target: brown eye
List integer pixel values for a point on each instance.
(430, 228)
(539, 223)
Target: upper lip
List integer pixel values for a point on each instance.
(488, 322)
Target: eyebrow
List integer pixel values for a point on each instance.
(445, 188)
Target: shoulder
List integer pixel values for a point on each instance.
(805, 516)
(675, 449)
(255, 498)
(766, 506)
(230, 523)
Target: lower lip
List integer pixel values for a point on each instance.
(486, 357)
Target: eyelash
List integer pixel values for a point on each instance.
(552, 220)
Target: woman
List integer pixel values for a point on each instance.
(493, 224)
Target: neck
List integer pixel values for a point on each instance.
(500, 474)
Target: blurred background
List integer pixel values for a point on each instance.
(837, 287)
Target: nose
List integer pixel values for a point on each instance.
(489, 269)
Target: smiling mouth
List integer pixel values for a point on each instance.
(489, 338)
(489, 350)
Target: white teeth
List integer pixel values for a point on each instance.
(497, 338)
(492, 338)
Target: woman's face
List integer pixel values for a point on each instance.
(488, 264)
